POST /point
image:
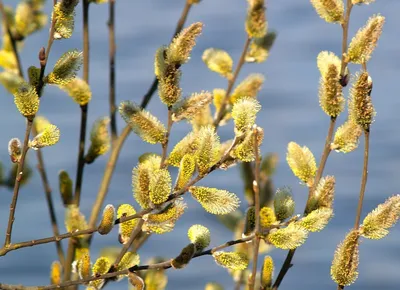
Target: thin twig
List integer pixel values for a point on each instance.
(112, 49)
(345, 28)
(256, 190)
(231, 82)
(12, 39)
(18, 179)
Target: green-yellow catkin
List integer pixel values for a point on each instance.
(188, 145)
(184, 257)
(66, 67)
(208, 150)
(56, 273)
(8, 60)
(187, 108)
(126, 227)
(325, 59)
(284, 204)
(364, 42)
(213, 286)
(129, 260)
(382, 218)
(10, 80)
(202, 118)
(244, 114)
(65, 185)
(331, 97)
(361, 109)
(325, 191)
(156, 279)
(288, 238)
(267, 217)
(141, 180)
(15, 150)
(256, 22)
(107, 221)
(231, 260)
(260, 47)
(249, 87)
(200, 236)
(84, 266)
(219, 61)
(218, 99)
(215, 201)
(160, 186)
(27, 100)
(136, 281)
(48, 137)
(168, 85)
(100, 140)
(179, 50)
(74, 219)
(64, 14)
(159, 62)
(186, 170)
(317, 219)
(149, 156)
(347, 137)
(267, 272)
(245, 150)
(359, 2)
(100, 267)
(34, 75)
(23, 18)
(164, 221)
(302, 162)
(330, 10)
(345, 261)
(250, 221)
(144, 124)
(78, 90)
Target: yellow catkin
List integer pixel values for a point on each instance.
(189, 107)
(78, 90)
(317, 219)
(284, 204)
(208, 151)
(288, 238)
(244, 113)
(331, 97)
(325, 192)
(100, 267)
(186, 170)
(100, 140)
(256, 23)
(329, 10)
(267, 272)
(66, 67)
(107, 221)
(15, 150)
(188, 145)
(249, 87)
(48, 137)
(56, 273)
(231, 260)
(302, 162)
(267, 217)
(27, 100)
(260, 47)
(219, 61)
(160, 186)
(200, 236)
(347, 137)
(126, 227)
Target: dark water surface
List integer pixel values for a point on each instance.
(290, 113)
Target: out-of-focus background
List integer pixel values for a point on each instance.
(290, 112)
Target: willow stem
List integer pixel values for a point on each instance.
(112, 49)
(345, 28)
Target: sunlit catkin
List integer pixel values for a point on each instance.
(302, 162)
(64, 14)
(200, 236)
(168, 85)
(364, 42)
(27, 100)
(107, 220)
(288, 238)
(260, 47)
(100, 140)
(65, 186)
(329, 10)
(244, 113)
(249, 87)
(267, 272)
(267, 217)
(256, 22)
(100, 267)
(24, 18)
(377, 223)
(215, 201)
(284, 204)
(325, 191)
(40, 123)
(15, 150)
(181, 46)
(126, 227)
(48, 137)
(129, 260)
(208, 150)
(74, 219)
(187, 108)
(244, 151)
(184, 257)
(159, 62)
(186, 170)
(159, 186)
(325, 59)
(56, 273)
(347, 137)
(331, 97)
(317, 219)
(219, 61)
(144, 124)
(84, 266)
(361, 109)
(65, 68)
(250, 221)
(188, 145)
(10, 80)
(78, 90)
(8, 60)
(231, 260)
(345, 261)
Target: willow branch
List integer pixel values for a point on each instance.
(12, 39)
(231, 82)
(165, 143)
(110, 167)
(112, 49)
(345, 28)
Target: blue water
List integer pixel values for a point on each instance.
(290, 113)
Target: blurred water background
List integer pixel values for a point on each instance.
(290, 112)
